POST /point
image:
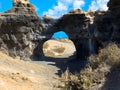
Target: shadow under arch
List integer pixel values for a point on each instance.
(76, 26)
(72, 63)
(38, 53)
(61, 39)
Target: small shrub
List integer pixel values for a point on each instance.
(95, 71)
(70, 81)
(77, 81)
(109, 55)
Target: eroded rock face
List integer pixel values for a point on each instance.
(23, 34)
(22, 7)
(76, 26)
(20, 30)
(107, 25)
(88, 30)
(15, 2)
(112, 4)
(76, 11)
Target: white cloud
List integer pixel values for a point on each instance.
(63, 7)
(60, 7)
(66, 1)
(99, 5)
(78, 3)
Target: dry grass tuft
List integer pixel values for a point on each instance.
(96, 70)
(109, 55)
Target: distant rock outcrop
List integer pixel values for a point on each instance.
(22, 7)
(17, 2)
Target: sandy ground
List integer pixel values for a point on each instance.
(53, 48)
(16, 74)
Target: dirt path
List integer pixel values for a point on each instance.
(16, 74)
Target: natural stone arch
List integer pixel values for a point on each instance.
(59, 47)
(38, 51)
(46, 35)
(76, 26)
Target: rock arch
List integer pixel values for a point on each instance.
(22, 32)
(76, 27)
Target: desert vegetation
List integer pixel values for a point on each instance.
(96, 71)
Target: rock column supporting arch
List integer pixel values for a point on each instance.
(76, 26)
(38, 51)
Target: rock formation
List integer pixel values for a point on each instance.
(22, 7)
(17, 2)
(19, 30)
(112, 4)
(107, 25)
(22, 32)
(76, 25)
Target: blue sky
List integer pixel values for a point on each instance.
(56, 8)
(60, 34)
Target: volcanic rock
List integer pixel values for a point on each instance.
(23, 33)
(112, 4)
(20, 29)
(107, 27)
(22, 7)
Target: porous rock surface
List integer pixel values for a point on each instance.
(107, 25)
(113, 4)
(19, 30)
(22, 32)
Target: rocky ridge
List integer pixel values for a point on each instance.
(23, 32)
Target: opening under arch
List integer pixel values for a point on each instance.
(59, 35)
(59, 46)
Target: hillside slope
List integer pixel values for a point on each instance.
(16, 74)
